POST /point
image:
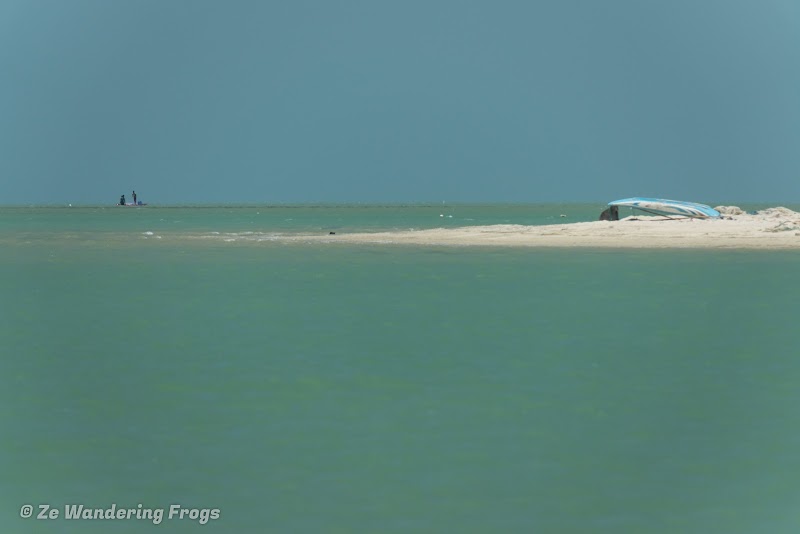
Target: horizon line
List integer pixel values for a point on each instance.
(372, 204)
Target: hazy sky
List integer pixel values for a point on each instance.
(401, 101)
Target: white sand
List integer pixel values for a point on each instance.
(774, 228)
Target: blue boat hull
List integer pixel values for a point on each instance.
(661, 206)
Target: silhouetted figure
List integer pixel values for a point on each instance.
(610, 214)
(134, 198)
(122, 200)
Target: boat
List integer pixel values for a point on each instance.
(660, 206)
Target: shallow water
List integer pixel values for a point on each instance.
(313, 388)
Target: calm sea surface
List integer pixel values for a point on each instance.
(332, 388)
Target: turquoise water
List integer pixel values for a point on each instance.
(331, 388)
(104, 220)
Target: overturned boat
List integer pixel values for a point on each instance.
(660, 206)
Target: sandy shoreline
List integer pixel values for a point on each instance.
(774, 228)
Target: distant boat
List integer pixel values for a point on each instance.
(660, 206)
(132, 205)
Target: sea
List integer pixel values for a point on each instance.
(184, 369)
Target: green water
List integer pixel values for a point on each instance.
(284, 218)
(331, 388)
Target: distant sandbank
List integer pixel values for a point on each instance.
(773, 228)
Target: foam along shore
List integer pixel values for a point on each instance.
(773, 228)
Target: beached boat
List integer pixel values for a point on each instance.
(660, 206)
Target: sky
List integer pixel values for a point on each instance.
(198, 101)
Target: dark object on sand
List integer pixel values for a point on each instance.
(610, 214)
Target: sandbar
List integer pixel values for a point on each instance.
(773, 228)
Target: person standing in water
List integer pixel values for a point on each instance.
(134, 199)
